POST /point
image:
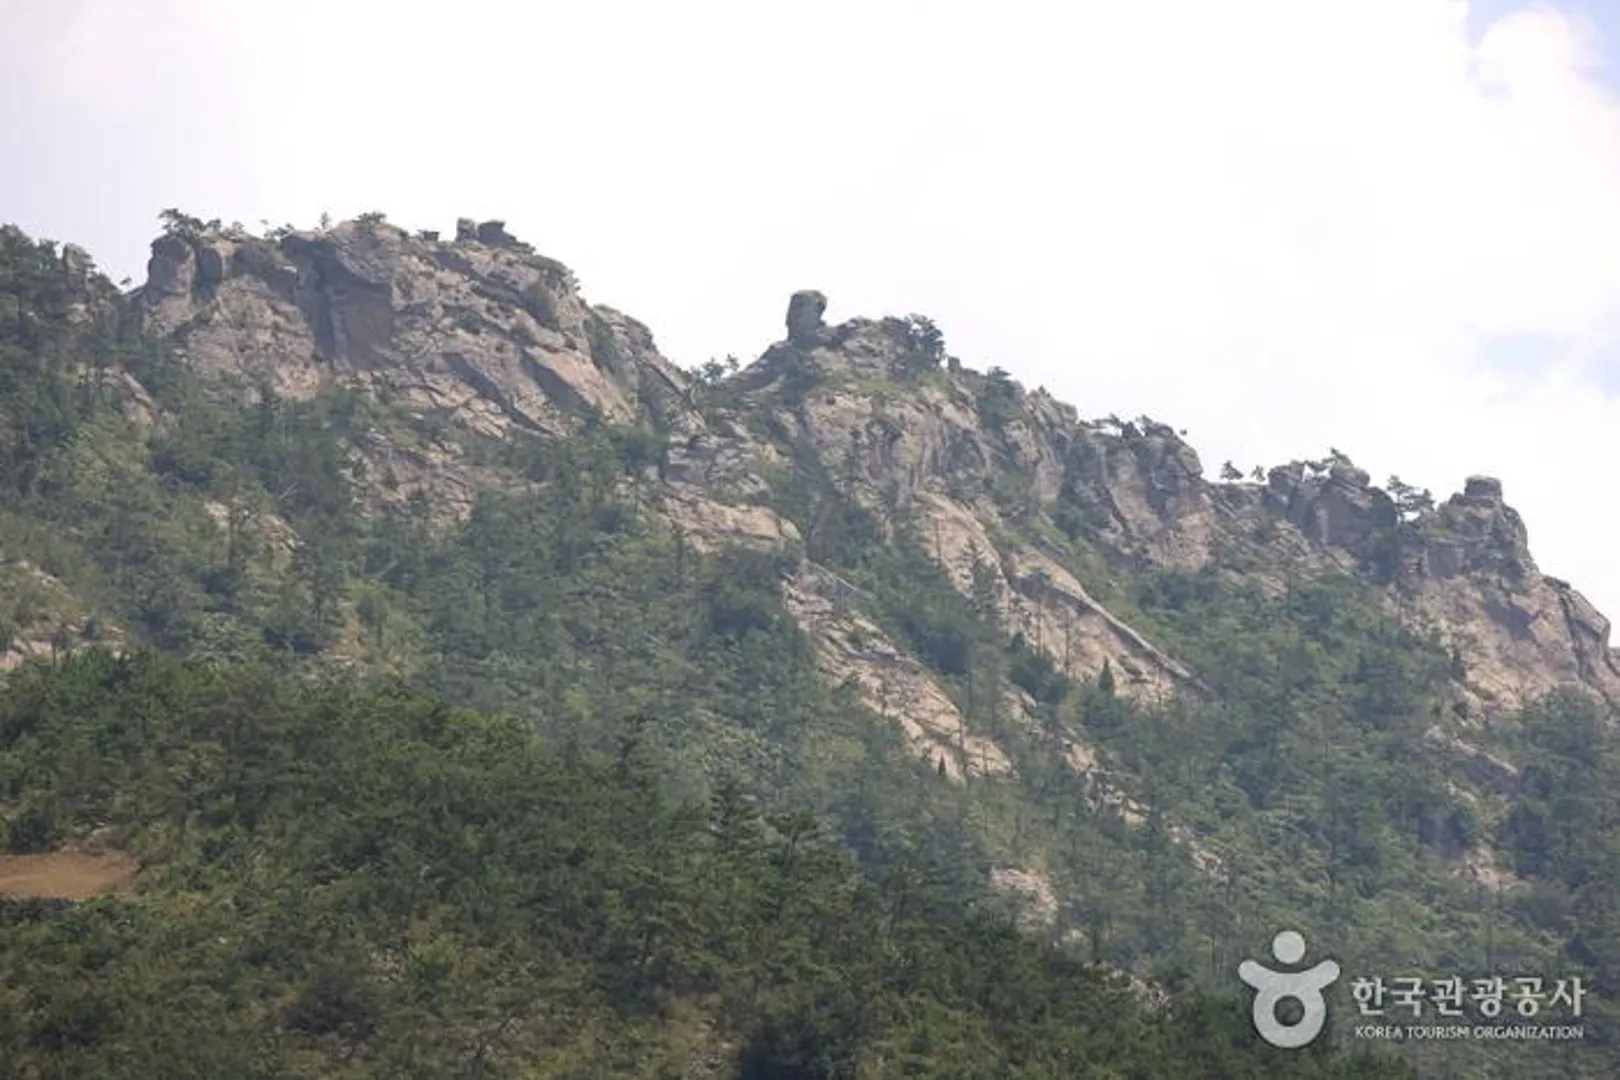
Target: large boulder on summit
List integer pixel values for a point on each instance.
(495, 234)
(804, 318)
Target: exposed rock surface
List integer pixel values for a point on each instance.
(481, 331)
(852, 649)
(1462, 568)
(925, 445)
(43, 618)
(492, 337)
(945, 448)
(1483, 767)
(804, 318)
(1031, 893)
(1519, 632)
(1022, 504)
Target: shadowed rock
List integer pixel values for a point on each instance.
(171, 269)
(494, 234)
(213, 262)
(77, 262)
(804, 318)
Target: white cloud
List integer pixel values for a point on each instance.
(1282, 224)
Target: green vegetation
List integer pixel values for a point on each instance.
(547, 792)
(922, 342)
(1310, 776)
(366, 883)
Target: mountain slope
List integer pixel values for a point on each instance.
(1041, 657)
(488, 336)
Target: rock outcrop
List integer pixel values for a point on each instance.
(488, 335)
(1519, 633)
(481, 332)
(804, 320)
(924, 446)
(1462, 568)
(853, 650)
(968, 454)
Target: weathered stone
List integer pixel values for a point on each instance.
(1036, 902)
(77, 262)
(443, 330)
(495, 338)
(853, 650)
(1482, 767)
(1519, 634)
(213, 262)
(1341, 510)
(494, 233)
(804, 318)
(172, 269)
(1349, 475)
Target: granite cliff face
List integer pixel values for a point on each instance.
(1462, 568)
(1018, 499)
(479, 333)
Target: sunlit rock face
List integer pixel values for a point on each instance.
(485, 333)
(481, 331)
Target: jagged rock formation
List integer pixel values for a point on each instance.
(481, 331)
(1462, 568)
(492, 337)
(1080, 538)
(924, 446)
(1519, 632)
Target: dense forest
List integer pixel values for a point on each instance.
(369, 883)
(549, 792)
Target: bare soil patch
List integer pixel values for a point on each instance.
(66, 875)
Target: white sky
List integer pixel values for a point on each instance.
(1283, 225)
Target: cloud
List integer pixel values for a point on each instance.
(1280, 224)
(105, 54)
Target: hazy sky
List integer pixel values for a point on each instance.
(1386, 226)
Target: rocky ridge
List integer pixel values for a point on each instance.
(479, 333)
(1006, 485)
(1462, 569)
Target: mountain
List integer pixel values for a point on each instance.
(490, 337)
(1038, 663)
